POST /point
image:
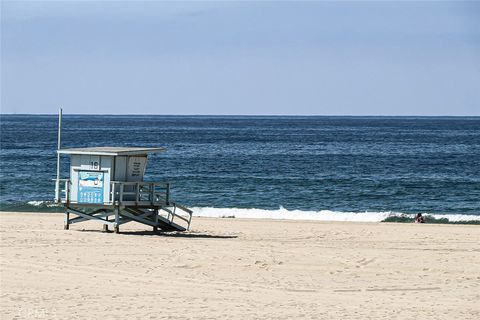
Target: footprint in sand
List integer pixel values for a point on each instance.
(261, 264)
(364, 262)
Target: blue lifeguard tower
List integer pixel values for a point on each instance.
(106, 185)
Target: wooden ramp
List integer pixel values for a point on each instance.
(173, 217)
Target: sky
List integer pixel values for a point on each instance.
(241, 57)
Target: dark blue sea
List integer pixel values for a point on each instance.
(325, 168)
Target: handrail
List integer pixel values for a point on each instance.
(132, 183)
(140, 192)
(172, 214)
(183, 208)
(59, 191)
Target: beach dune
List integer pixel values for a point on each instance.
(238, 269)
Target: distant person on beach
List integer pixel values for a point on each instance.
(419, 218)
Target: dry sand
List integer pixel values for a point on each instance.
(238, 269)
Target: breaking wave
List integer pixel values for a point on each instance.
(31, 206)
(280, 214)
(328, 215)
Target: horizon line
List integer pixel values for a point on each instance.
(235, 115)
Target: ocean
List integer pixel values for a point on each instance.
(283, 167)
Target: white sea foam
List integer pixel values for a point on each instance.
(285, 214)
(322, 215)
(42, 203)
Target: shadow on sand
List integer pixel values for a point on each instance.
(174, 234)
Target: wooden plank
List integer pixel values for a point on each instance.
(137, 219)
(168, 225)
(89, 217)
(81, 219)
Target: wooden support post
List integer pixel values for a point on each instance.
(155, 219)
(117, 217)
(105, 226)
(66, 224)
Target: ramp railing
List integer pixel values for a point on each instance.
(175, 212)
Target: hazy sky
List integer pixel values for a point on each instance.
(322, 58)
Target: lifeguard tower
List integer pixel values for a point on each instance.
(107, 185)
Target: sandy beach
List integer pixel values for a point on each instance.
(238, 269)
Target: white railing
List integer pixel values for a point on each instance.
(139, 193)
(63, 195)
(171, 213)
(125, 193)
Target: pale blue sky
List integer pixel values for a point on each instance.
(319, 58)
